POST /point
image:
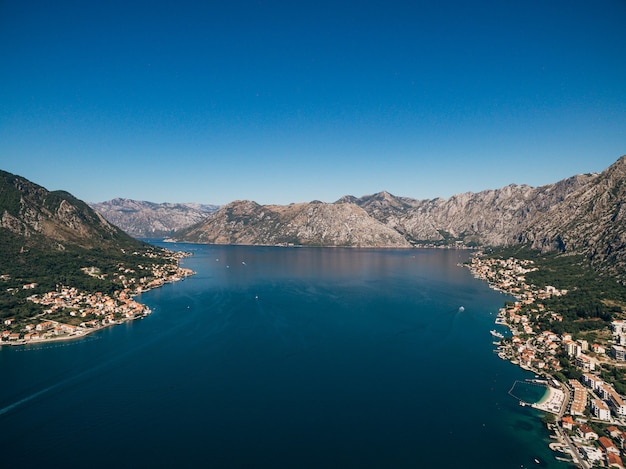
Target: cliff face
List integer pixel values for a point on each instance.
(151, 220)
(583, 213)
(493, 217)
(38, 216)
(590, 220)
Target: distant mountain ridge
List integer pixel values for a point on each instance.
(312, 224)
(584, 214)
(142, 219)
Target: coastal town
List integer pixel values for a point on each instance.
(588, 415)
(68, 313)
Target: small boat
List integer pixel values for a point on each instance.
(495, 333)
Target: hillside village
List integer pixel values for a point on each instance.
(69, 313)
(590, 414)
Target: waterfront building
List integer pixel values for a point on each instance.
(579, 402)
(591, 453)
(587, 433)
(600, 410)
(567, 422)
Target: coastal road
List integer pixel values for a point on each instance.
(578, 460)
(563, 436)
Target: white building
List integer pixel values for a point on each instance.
(598, 349)
(618, 352)
(591, 454)
(572, 348)
(585, 362)
(616, 402)
(619, 327)
(600, 410)
(592, 381)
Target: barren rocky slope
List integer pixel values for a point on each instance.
(590, 220)
(314, 224)
(151, 220)
(492, 217)
(36, 215)
(583, 213)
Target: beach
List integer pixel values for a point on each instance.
(552, 401)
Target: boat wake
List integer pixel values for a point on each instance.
(24, 400)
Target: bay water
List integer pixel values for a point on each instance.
(282, 358)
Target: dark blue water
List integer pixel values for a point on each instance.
(276, 357)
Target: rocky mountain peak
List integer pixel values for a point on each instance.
(584, 213)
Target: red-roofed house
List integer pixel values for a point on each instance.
(567, 422)
(587, 433)
(598, 348)
(614, 460)
(608, 445)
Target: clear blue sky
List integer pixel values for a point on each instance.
(289, 101)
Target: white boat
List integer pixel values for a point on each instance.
(495, 333)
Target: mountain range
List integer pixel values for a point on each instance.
(581, 214)
(142, 219)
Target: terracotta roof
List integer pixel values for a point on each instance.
(606, 442)
(614, 459)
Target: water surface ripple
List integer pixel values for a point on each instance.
(277, 357)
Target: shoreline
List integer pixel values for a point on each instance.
(124, 306)
(546, 396)
(552, 401)
(555, 401)
(82, 333)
